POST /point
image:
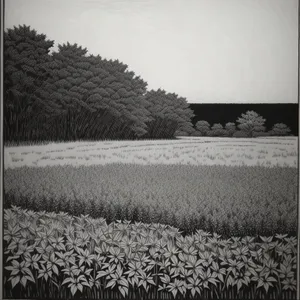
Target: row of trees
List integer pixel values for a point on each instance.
(250, 124)
(70, 95)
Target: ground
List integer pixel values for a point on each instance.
(240, 186)
(277, 151)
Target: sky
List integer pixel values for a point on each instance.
(208, 51)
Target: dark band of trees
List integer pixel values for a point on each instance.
(69, 95)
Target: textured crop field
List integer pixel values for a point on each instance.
(228, 200)
(50, 255)
(266, 152)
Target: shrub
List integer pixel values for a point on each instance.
(203, 127)
(280, 129)
(240, 134)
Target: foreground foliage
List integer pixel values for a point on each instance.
(49, 255)
(228, 200)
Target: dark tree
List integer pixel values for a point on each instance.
(170, 115)
(65, 91)
(251, 123)
(26, 65)
(99, 98)
(70, 95)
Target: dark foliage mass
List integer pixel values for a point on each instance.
(70, 95)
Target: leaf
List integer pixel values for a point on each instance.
(80, 287)
(266, 286)
(23, 281)
(124, 282)
(86, 283)
(111, 284)
(260, 283)
(55, 269)
(30, 278)
(15, 281)
(151, 281)
(101, 274)
(221, 277)
(10, 258)
(55, 284)
(73, 289)
(174, 292)
(123, 290)
(229, 281)
(67, 280)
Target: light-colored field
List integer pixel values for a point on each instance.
(266, 152)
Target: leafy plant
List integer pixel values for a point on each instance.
(139, 260)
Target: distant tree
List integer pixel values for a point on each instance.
(217, 130)
(280, 129)
(251, 122)
(230, 128)
(26, 67)
(170, 115)
(203, 127)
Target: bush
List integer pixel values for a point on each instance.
(261, 134)
(181, 133)
(196, 133)
(240, 134)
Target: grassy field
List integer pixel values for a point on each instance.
(192, 151)
(231, 186)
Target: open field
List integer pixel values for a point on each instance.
(214, 184)
(245, 190)
(228, 200)
(50, 255)
(187, 151)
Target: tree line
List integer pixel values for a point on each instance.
(249, 124)
(69, 94)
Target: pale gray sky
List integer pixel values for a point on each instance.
(209, 51)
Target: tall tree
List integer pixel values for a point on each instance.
(100, 98)
(251, 123)
(66, 90)
(26, 65)
(126, 92)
